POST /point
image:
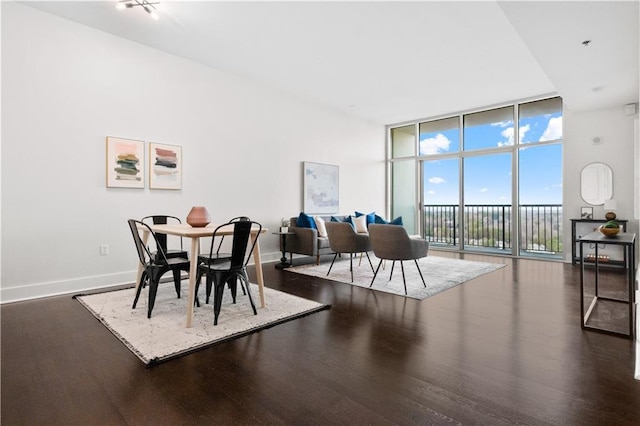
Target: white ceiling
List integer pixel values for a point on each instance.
(389, 62)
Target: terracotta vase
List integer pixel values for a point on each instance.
(198, 217)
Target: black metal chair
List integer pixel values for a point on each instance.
(232, 270)
(162, 238)
(344, 239)
(216, 257)
(393, 243)
(155, 266)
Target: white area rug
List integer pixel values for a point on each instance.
(440, 274)
(164, 335)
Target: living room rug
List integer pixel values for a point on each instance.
(440, 274)
(164, 336)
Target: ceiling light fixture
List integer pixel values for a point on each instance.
(147, 5)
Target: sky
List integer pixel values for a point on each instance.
(488, 177)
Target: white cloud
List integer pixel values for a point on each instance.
(434, 145)
(553, 130)
(484, 190)
(436, 180)
(431, 192)
(509, 135)
(523, 131)
(502, 123)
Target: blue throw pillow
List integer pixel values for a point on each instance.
(305, 221)
(380, 220)
(346, 219)
(396, 221)
(349, 220)
(371, 217)
(340, 219)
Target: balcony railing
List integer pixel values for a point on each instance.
(488, 226)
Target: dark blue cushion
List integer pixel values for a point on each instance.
(396, 221)
(345, 219)
(305, 221)
(371, 217)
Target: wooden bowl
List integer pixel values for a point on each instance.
(609, 232)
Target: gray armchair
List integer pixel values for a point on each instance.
(344, 239)
(391, 242)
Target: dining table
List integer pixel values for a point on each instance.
(194, 234)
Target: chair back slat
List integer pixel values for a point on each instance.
(144, 253)
(241, 233)
(163, 220)
(242, 228)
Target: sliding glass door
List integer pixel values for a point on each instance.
(486, 181)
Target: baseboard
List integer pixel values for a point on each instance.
(83, 284)
(58, 288)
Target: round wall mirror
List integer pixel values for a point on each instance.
(596, 183)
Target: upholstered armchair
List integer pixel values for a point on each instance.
(391, 242)
(344, 239)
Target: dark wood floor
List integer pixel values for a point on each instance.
(505, 348)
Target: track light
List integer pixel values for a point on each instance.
(147, 5)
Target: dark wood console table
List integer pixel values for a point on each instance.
(580, 227)
(598, 315)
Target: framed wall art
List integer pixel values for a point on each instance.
(165, 166)
(321, 188)
(586, 213)
(125, 163)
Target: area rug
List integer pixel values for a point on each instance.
(164, 336)
(440, 274)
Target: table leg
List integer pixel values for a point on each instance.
(258, 264)
(581, 259)
(193, 270)
(283, 260)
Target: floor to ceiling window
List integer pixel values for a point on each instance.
(476, 181)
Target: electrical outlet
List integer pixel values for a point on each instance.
(104, 249)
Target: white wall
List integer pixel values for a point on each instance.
(616, 132)
(65, 87)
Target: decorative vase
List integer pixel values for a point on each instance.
(610, 216)
(198, 217)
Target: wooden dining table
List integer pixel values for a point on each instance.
(187, 231)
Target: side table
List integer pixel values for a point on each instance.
(606, 305)
(283, 261)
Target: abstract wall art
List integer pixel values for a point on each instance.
(165, 166)
(125, 163)
(321, 188)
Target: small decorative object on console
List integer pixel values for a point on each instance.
(284, 225)
(610, 229)
(610, 206)
(198, 217)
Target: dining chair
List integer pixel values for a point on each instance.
(391, 242)
(216, 257)
(155, 266)
(232, 270)
(344, 239)
(162, 238)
